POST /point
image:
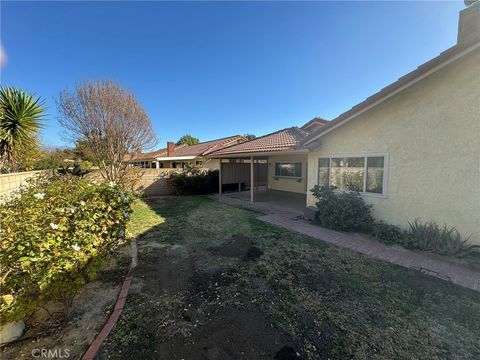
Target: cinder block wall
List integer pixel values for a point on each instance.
(151, 181)
(12, 182)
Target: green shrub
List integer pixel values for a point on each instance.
(442, 240)
(194, 181)
(391, 235)
(426, 236)
(347, 211)
(388, 234)
(77, 169)
(342, 211)
(54, 236)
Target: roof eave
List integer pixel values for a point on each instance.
(172, 158)
(258, 153)
(346, 117)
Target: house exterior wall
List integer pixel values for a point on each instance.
(283, 183)
(211, 164)
(431, 133)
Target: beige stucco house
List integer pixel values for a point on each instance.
(415, 145)
(412, 149)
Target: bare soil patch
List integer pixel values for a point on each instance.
(240, 247)
(88, 314)
(184, 307)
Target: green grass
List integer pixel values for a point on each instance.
(143, 219)
(334, 303)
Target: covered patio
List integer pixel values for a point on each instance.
(269, 171)
(256, 180)
(272, 200)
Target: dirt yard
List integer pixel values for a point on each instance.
(71, 337)
(213, 282)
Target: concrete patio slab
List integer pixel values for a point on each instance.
(266, 201)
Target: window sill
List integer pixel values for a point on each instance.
(380, 196)
(288, 177)
(366, 194)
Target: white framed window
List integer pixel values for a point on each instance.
(366, 174)
(288, 169)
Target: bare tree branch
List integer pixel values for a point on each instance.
(110, 120)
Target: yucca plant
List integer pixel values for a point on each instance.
(20, 119)
(441, 240)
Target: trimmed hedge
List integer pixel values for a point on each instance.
(342, 211)
(194, 181)
(54, 236)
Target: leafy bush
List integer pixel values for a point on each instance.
(79, 168)
(131, 179)
(54, 236)
(342, 211)
(387, 233)
(390, 234)
(442, 240)
(347, 211)
(194, 181)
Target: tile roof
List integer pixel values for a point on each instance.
(207, 147)
(285, 139)
(151, 155)
(199, 149)
(315, 122)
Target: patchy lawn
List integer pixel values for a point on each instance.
(213, 282)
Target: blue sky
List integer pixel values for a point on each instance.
(214, 69)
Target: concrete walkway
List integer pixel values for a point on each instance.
(427, 264)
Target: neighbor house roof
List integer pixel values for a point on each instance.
(207, 147)
(151, 155)
(190, 151)
(467, 46)
(285, 139)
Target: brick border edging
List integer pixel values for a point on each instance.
(112, 320)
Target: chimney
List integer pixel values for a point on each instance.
(170, 148)
(469, 23)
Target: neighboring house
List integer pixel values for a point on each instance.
(179, 156)
(412, 149)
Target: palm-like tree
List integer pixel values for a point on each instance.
(20, 119)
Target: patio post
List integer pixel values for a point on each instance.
(220, 178)
(251, 179)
